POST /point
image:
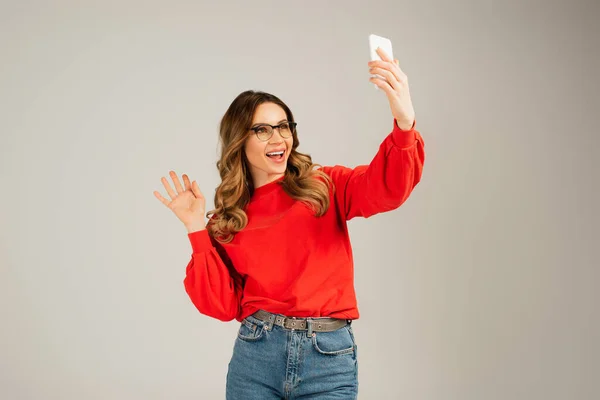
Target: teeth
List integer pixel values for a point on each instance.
(276, 152)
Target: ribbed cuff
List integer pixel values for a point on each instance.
(200, 241)
(402, 138)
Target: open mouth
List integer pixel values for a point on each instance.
(276, 155)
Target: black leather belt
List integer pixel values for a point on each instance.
(318, 324)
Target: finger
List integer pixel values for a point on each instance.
(196, 190)
(186, 182)
(395, 66)
(176, 182)
(392, 66)
(389, 76)
(383, 85)
(379, 63)
(384, 56)
(168, 188)
(162, 199)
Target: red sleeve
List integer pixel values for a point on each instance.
(211, 281)
(386, 182)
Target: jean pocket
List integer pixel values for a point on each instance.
(334, 343)
(251, 329)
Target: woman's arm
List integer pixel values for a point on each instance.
(389, 179)
(211, 281)
(386, 182)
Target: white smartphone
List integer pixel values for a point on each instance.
(376, 41)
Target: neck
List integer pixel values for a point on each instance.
(266, 180)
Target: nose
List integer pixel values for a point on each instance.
(278, 134)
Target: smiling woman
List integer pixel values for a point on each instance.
(256, 125)
(247, 263)
(269, 147)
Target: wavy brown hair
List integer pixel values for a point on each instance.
(236, 187)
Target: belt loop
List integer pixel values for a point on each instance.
(309, 323)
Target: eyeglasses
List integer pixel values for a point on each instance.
(265, 131)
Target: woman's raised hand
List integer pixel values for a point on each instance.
(188, 204)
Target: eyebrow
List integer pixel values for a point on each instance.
(264, 123)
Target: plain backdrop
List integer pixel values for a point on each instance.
(483, 285)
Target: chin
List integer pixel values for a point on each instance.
(279, 170)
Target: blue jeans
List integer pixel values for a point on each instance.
(272, 362)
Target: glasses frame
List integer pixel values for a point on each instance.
(273, 127)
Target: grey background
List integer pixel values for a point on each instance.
(481, 286)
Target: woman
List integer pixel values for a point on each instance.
(276, 255)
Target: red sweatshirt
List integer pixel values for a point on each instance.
(286, 260)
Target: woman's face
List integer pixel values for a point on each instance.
(265, 169)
